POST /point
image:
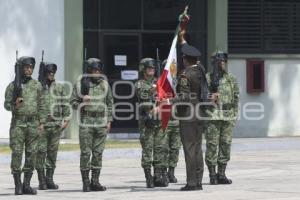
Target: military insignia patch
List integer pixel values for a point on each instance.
(183, 81)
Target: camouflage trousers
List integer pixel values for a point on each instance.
(23, 134)
(92, 143)
(48, 147)
(174, 144)
(154, 146)
(218, 142)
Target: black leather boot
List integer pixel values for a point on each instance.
(222, 179)
(85, 180)
(149, 178)
(18, 184)
(171, 174)
(26, 184)
(42, 179)
(95, 185)
(212, 175)
(49, 180)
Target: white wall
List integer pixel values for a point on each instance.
(280, 99)
(29, 26)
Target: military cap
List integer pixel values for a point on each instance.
(191, 51)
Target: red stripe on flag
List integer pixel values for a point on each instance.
(164, 87)
(165, 90)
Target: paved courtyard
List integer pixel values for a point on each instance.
(264, 168)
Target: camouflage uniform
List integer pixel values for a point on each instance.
(219, 132)
(174, 142)
(174, 145)
(57, 111)
(94, 118)
(24, 131)
(153, 138)
(24, 124)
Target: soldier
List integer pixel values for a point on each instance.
(152, 137)
(225, 95)
(173, 143)
(191, 89)
(57, 112)
(23, 97)
(93, 99)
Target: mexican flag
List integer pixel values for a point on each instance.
(167, 82)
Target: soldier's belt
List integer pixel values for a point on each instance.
(92, 114)
(26, 118)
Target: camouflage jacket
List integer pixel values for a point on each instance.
(101, 99)
(146, 97)
(56, 104)
(228, 97)
(173, 123)
(33, 101)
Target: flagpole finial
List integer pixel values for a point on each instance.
(186, 9)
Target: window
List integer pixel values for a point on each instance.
(116, 14)
(255, 76)
(264, 26)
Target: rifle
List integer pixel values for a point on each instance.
(214, 78)
(85, 81)
(18, 80)
(216, 75)
(158, 61)
(42, 78)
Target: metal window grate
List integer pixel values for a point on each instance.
(264, 26)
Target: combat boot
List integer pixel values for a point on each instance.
(85, 180)
(212, 175)
(42, 179)
(222, 179)
(26, 184)
(171, 174)
(95, 185)
(18, 184)
(149, 178)
(158, 178)
(165, 177)
(49, 180)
